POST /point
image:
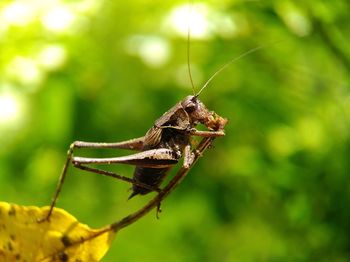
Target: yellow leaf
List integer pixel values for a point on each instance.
(63, 238)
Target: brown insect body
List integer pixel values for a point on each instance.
(173, 130)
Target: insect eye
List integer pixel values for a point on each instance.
(190, 108)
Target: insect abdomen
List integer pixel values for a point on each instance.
(149, 176)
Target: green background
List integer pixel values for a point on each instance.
(275, 188)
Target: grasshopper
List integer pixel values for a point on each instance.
(164, 144)
(160, 149)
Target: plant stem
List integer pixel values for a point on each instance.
(180, 175)
(204, 144)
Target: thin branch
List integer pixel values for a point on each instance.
(204, 144)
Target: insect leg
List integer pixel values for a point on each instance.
(188, 157)
(114, 175)
(154, 158)
(135, 144)
(196, 132)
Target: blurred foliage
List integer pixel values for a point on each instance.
(276, 188)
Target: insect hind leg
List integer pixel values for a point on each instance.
(135, 183)
(116, 176)
(133, 144)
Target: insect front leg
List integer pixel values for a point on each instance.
(132, 144)
(188, 157)
(210, 133)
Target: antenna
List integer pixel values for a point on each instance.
(227, 64)
(189, 45)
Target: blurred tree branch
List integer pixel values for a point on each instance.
(328, 40)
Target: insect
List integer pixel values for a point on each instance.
(160, 149)
(164, 144)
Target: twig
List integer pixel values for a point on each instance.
(128, 220)
(203, 145)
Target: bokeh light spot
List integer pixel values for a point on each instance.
(282, 141)
(154, 51)
(58, 19)
(295, 20)
(25, 70)
(52, 57)
(17, 13)
(195, 16)
(311, 133)
(10, 109)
